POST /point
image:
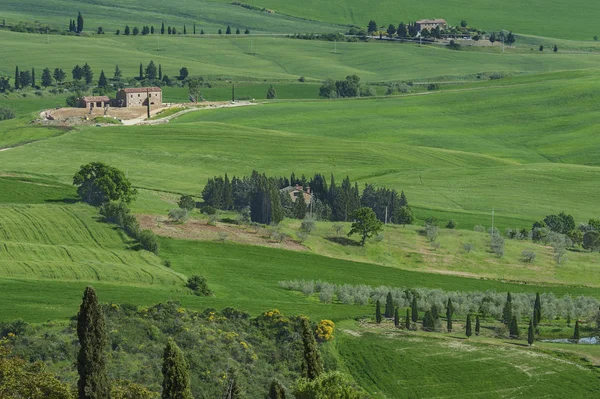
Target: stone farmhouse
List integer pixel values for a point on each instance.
(431, 24)
(90, 102)
(297, 190)
(139, 97)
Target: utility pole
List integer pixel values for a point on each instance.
(335, 47)
(148, 101)
(493, 231)
(386, 210)
(251, 47)
(233, 93)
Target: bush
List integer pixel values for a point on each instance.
(479, 228)
(308, 226)
(451, 224)
(467, 247)
(302, 236)
(72, 101)
(114, 212)
(208, 210)
(325, 330)
(433, 87)
(528, 256)
(497, 245)
(148, 241)
(186, 202)
(199, 285)
(178, 215)
(431, 231)
(222, 236)
(327, 385)
(6, 113)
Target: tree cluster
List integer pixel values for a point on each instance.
(347, 88)
(76, 25)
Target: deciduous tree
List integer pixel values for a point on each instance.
(98, 183)
(46, 77)
(365, 224)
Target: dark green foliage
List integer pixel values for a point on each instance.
(186, 202)
(199, 285)
(93, 380)
(477, 325)
(4, 84)
(507, 310)
(449, 312)
(79, 23)
(276, 390)
(299, 207)
(98, 183)
(102, 81)
(271, 93)
(414, 312)
(151, 71)
(407, 320)
(365, 224)
(208, 210)
(87, 74)
(332, 385)
(176, 379)
(389, 306)
(237, 31)
(135, 31)
(6, 113)
(468, 331)
(576, 332)
(32, 77)
(72, 101)
(265, 204)
(396, 318)
(24, 79)
(513, 328)
(391, 30)
(435, 312)
(378, 312)
(428, 322)
(372, 26)
(17, 79)
(228, 30)
(561, 223)
(451, 224)
(183, 73)
(555, 48)
(162, 28)
(530, 333)
(404, 216)
(510, 39)
(160, 75)
(312, 366)
(148, 241)
(141, 73)
(342, 88)
(537, 310)
(384, 202)
(46, 77)
(127, 31)
(591, 241)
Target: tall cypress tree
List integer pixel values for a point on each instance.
(414, 310)
(141, 77)
(576, 333)
(233, 388)
(389, 306)
(513, 328)
(537, 310)
(312, 366)
(449, 311)
(17, 78)
(159, 72)
(396, 318)
(468, 331)
(378, 312)
(184, 30)
(530, 336)
(175, 370)
(162, 29)
(32, 77)
(102, 81)
(299, 209)
(407, 320)
(276, 390)
(507, 311)
(79, 23)
(194, 28)
(91, 361)
(477, 325)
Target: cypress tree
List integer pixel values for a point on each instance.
(576, 333)
(233, 389)
(434, 312)
(428, 323)
(449, 312)
(79, 23)
(17, 78)
(201, 31)
(389, 306)
(184, 30)
(276, 390)
(300, 206)
(530, 336)
(32, 77)
(227, 194)
(407, 320)
(312, 366)
(162, 29)
(477, 325)
(175, 370)
(228, 31)
(468, 331)
(378, 312)
(141, 72)
(396, 318)
(514, 328)
(537, 310)
(46, 77)
(159, 72)
(507, 311)
(194, 28)
(93, 380)
(414, 310)
(102, 82)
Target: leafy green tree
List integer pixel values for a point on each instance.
(194, 28)
(160, 75)
(513, 328)
(468, 331)
(228, 31)
(449, 312)
(507, 310)
(271, 93)
(299, 209)
(404, 216)
(537, 310)
(414, 311)
(25, 79)
(136, 31)
(389, 306)
(46, 77)
(93, 380)
(247, 31)
(59, 75)
(378, 312)
(151, 71)
(237, 31)
(530, 333)
(126, 31)
(391, 30)
(401, 31)
(233, 386)
(276, 390)
(510, 39)
(372, 27)
(541, 47)
(312, 365)
(477, 325)
(186, 202)
(183, 73)
(463, 24)
(493, 37)
(365, 223)
(428, 322)
(118, 74)
(591, 241)
(102, 81)
(79, 23)
(184, 30)
(148, 241)
(332, 385)
(396, 318)
(199, 285)
(98, 183)
(555, 48)
(407, 320)
(176, 378)
(576, 333)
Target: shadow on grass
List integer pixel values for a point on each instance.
(62, 201)
(343, 241)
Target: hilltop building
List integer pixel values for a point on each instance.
(431, 24)
(297, 190)
(139, 97)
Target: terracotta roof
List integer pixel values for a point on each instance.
(432, 21)
(95, 98)
(141, 89)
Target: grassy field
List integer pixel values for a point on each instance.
(245, 58)
(414, 365)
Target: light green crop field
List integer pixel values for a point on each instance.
(258, 58)
(391, 365)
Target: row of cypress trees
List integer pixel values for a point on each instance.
(94, 382)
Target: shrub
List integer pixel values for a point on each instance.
(302, 236)
(467, 247)
(528, 256)
(302, 79)
(308, 226)
(338, 229)
(114, 212)
(497, 245)
(431, 231)
(198, 285)
(479, 228)
(208, 210)
(148, 241)
(325, 330)
(167, 263)
(451, 224)
(433, 87)
(72, 101)
(178, 215)
(222, 236)
(186, 202)
(6, 113)
(212, 220)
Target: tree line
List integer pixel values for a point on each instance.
(169, 30)
(269, 202)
